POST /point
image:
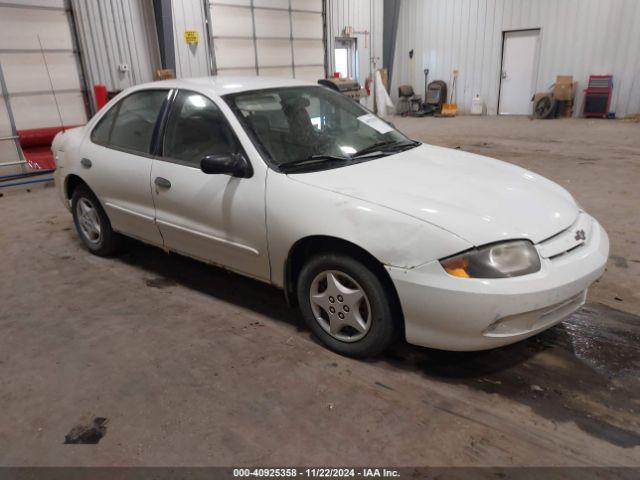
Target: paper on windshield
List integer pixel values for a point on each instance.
(374, 122)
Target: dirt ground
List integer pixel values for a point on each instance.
(192, 365)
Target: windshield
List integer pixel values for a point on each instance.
(314, 125)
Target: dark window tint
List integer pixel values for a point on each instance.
(101, 133)
(197, 128)
(135, 120)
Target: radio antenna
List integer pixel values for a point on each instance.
(55, 99)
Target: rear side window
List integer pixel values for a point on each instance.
(197, 128)
(101, 133)
(129, 125)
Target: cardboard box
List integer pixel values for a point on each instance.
(166, 74)
(564, 88)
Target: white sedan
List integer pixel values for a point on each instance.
(373, 235)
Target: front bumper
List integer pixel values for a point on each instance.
(451, 313)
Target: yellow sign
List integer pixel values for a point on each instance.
(192, 37)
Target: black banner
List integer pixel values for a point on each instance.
(405, 473)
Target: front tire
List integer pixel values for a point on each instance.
(346, 305)
(92, 224)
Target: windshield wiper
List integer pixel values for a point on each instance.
(312, 160)
(392, 146)
(388, 143)
(373, 148)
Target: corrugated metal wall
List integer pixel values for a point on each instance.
(578, 37)
(362, 15)
(191, 60)
(114, 32)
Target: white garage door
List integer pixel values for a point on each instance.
(9, 151)
(281, 38)
(40, 65)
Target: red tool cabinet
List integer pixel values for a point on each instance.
(597, 96)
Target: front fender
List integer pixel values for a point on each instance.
(296, 210)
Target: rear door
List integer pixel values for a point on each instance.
(117, 163)
(213, 217)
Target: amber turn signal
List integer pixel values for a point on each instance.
(456, 266)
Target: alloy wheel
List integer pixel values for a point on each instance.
(89, 221)
(340, 306)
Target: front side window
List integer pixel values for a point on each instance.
(314, 126)
(129, 125)
(196, 128)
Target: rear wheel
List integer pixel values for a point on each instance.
(92, 223)
(346, 305)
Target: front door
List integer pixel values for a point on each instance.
(213, 217)
(520, 53)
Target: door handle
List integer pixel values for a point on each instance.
(504, 75)
(162, 182)
(86, 163)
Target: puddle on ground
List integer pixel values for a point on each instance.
(585, 370)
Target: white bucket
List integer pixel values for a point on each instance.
(477, 105)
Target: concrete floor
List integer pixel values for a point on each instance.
(196, 366)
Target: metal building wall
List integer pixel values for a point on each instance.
(362, 15)
(578, 37)
(191, 60)
(115, 32)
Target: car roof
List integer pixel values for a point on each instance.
(224, 85)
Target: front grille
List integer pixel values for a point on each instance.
(568, 240)
(557, 255)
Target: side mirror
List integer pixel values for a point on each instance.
(234, 164)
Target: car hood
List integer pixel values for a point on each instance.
(477, 198)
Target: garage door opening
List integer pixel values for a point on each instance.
(345, 56)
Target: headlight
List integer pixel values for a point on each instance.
(500, 260)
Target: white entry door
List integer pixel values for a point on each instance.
(520, 53)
